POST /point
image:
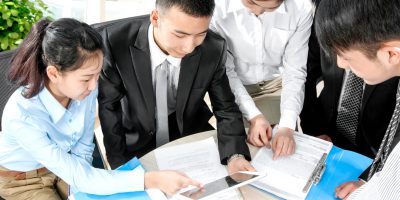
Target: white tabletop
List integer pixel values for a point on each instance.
(248, 192)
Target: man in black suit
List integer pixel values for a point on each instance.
(320, 113)
(176, 33)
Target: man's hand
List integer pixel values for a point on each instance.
(169, 182)
(283, 143)
(325, 137)
(239, 164)
(260, 132)
(344, 190)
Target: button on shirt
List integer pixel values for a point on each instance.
(157, 58)
(264, 47)
(40, 132)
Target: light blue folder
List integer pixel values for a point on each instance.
(341, 166)
(142, 195)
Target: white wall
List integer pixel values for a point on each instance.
(94, 11)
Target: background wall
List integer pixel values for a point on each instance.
(94, 11)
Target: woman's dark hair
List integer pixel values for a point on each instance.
(65, 43)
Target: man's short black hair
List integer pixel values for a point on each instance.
(196, 8)
(357, 24)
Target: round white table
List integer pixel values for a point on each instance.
(248, 192)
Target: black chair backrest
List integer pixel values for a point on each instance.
(6, 88)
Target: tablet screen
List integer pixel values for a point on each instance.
(218, 185)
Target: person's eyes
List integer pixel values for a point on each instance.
(179, 36)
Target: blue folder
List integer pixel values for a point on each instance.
(341, 166)
(142, 195)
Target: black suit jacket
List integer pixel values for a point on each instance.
(319, 113)
(127, 102)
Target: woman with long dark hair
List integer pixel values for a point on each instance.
(48, 121)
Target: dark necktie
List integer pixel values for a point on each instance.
(162, 135)
(347, 118)
(387, 140)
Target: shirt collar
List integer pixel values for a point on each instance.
(157, 56)
(53, 107)
(237, 5)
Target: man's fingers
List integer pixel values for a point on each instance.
(249, 167)
(264, 138)
(340, 187)
(269, 132)
(344, 191)
(293, 148)
(278, 149)
(255, 139)
(195, 183)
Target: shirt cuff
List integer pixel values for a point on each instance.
(249, 110)
(288, 119)
(134, 179)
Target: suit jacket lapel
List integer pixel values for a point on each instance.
(368, 90)
(334, 80)
(188, 72)
(338, 81)
(140, 54)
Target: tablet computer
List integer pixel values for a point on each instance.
(221, 185)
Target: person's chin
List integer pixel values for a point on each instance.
(178, 55)
(83, 96)
(373, 82)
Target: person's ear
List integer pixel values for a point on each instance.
(154, 18)
(52, 73)
(389, 55)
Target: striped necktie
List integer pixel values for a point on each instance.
(349, 109)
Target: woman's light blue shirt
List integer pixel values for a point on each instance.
(40, 132)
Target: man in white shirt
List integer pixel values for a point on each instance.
(264, 39)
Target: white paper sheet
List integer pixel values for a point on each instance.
(199, 160)
(287, 176)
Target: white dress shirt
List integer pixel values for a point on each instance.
(157, 57)
(384, 184)
(264, 47)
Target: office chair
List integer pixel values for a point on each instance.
(6, 88)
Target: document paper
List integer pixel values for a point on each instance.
(199, 160)
(287, 176)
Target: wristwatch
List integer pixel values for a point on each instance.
(234, 156)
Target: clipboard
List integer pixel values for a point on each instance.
(341, 166)
(317, 173)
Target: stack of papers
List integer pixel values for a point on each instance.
(199, 160)
(288, 175)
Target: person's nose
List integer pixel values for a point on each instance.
(189, 45)
(92, 84)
